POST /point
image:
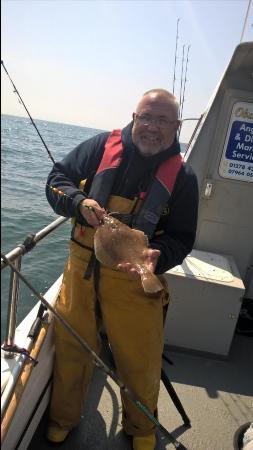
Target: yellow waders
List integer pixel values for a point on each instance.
(133, 323)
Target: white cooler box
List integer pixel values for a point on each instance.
(205, 300)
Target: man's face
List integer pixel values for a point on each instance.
(155, 124)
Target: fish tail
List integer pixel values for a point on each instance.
(151, 284)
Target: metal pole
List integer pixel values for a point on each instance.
(12, 307)
(18, 367)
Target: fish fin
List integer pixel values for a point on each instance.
(151, 284)
(142, 235)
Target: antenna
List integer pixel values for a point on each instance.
(175, 63)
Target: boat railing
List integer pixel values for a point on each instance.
(15, 256)
(199, 119)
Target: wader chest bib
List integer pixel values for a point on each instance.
(153, 201)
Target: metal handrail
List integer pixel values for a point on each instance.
(15, 255)
(195, 129)
(184, 120)
(20, 249)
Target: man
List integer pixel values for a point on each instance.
(137, 172)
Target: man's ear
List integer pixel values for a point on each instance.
(177, 125)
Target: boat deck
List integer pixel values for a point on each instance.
(216, 394)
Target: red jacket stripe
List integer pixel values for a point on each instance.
(113, 152)
(167, 172)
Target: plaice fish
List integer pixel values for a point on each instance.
(116, 243)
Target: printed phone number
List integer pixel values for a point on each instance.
(240, 166)
(240, 172)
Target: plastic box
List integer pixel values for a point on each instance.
(205, 300)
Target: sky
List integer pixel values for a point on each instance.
(88, 62)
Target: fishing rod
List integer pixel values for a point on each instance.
(181, 107)
(185, 79)
(181, 84)
(97, 361)
(245, 21)
(175, 62)
(21, 101)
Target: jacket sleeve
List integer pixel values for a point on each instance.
(180, 224)
(66, 175)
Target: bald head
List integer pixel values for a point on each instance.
(155, 122)
(160, 96)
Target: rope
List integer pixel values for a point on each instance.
(15, 349)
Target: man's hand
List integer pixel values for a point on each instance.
(92, 212)
(150, 258)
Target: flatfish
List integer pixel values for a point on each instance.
(116, 243)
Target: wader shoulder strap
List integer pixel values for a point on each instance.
(103, 180)
(158, 195)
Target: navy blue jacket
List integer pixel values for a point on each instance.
(178, 222)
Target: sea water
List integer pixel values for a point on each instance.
(24, 210)
(25, 167)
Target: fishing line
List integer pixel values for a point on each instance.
(20, 99)
(97, 361)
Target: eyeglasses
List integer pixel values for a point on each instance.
(146, 120)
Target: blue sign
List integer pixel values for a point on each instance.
(240, 143)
